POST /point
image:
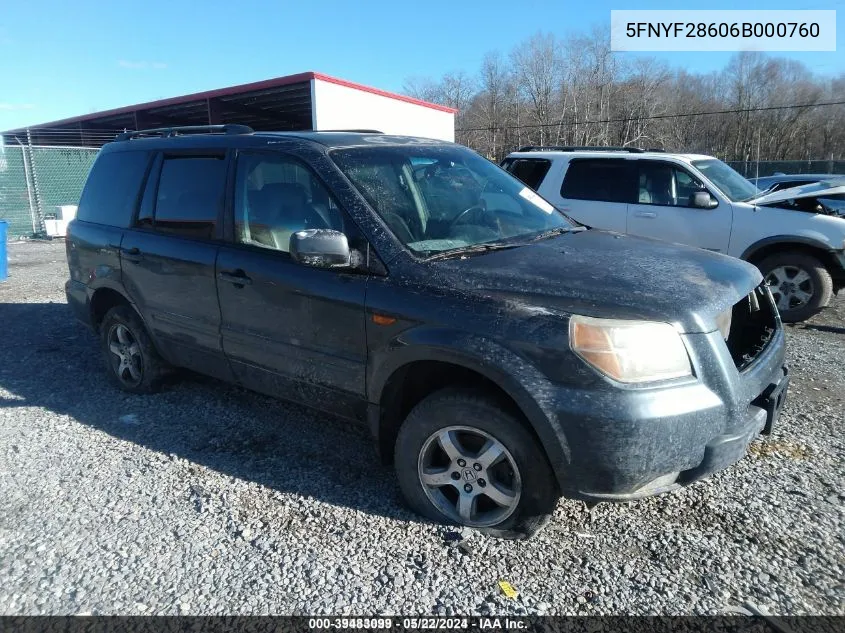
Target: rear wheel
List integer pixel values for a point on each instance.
(132, 361)
(461, 459)
(800, 284)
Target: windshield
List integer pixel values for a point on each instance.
(735, 186)
(442, 198)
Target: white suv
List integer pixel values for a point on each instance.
(797, 242)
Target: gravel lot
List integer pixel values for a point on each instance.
(209, 499)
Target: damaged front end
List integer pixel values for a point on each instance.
(824, 197)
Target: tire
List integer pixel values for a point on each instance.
(469, 419)
(145, 370)
(798, 280)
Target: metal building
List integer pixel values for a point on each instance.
(306, 101)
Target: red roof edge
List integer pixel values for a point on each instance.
(276, 82)
(383, 93)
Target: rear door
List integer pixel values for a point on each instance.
(596, 192)
(106, 209)
(168, 258)
(664, 210)
(290, 330)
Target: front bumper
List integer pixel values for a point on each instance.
(629, 443)
(727, 449)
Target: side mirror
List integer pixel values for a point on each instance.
(703, 200)
(321, 248)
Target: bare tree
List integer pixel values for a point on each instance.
(577, 91)
(537, 69)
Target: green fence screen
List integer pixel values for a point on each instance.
(14, 200)
(753, 169)
(60, 174)
(34, 181)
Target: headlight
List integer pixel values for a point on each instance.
(630, 351)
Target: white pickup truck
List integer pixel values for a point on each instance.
(796, 241)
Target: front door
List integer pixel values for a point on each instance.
(288, 329)
(664, 209)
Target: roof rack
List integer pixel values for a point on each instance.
(167, 132)
(584, 148)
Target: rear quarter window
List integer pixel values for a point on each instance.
(111, 192)
(531, 171)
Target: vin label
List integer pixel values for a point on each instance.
(723, 30)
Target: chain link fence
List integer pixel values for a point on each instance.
(35, 181)
(755, 169)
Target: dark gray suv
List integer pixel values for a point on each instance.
(501, 354)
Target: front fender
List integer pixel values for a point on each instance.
(518, 378)
(805, 238)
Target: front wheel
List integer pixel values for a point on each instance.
(461, 459)
(800, 284)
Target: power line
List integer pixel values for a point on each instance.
(677, 115)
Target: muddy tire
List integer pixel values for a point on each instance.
(800, 284)
(132, 362)
(461, 459)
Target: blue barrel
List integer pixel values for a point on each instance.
(4, 258)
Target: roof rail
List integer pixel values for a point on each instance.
(166, 132)
(584, 148)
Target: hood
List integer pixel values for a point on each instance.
(602, 274)
(814, 190)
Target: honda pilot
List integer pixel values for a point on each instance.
(501, 354)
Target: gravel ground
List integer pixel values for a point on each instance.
(209, 499)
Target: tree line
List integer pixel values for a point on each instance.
(576, 91)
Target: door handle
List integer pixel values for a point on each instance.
(645, 214)
(238, 278)
(131, 254)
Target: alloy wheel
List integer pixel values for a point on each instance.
(791, 287)
(469, 476)
(126, 358)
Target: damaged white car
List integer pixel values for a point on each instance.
(795, 236)
(822, 194)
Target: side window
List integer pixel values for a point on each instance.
(190, 191)
(111, 191)
(531, 171)
(602, 179)
(686, 187)
(664, 184)
(276, 196)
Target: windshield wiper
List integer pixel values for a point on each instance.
(558, 231)
(496, 246)
(475, 248)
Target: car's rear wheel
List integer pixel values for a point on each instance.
(461, 459)
(799, 283)
(132, 362)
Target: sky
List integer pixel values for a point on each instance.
(62, 58)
